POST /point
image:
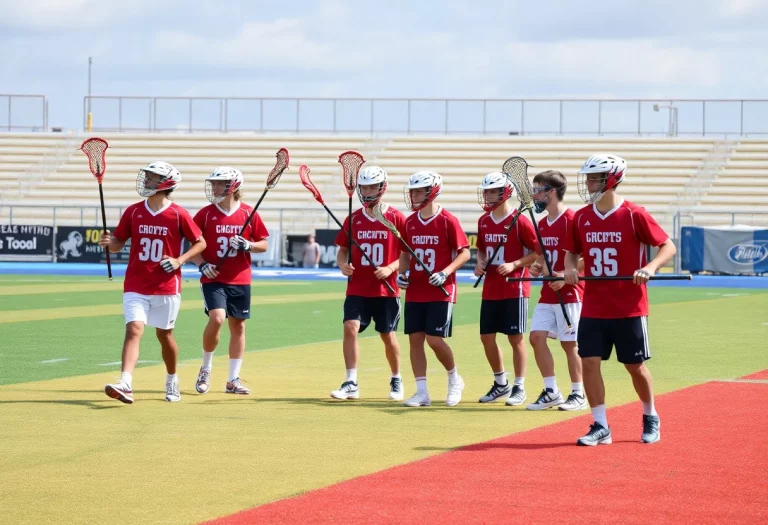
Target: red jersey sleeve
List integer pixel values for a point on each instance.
(189, 229)
(647, 229)
(342, 239)
(259, 231)
(527, 235)
(480, 242)
(572, 240)
(199, 219)
(456, 237)
(123, 230)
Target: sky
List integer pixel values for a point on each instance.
(495, 49)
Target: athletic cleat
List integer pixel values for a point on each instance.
(574, 402)
(497, 391)
(597, 435)
(236, 387)
(396, 389)
(546, 400)
(120, 391)
(651, 429)
(517, 397)
(348, 390)
(419, 399)
(455, 388)
(172, 392)
(203, 384)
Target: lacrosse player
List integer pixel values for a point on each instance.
(612, 234)
(152, 288)
(548, 320)
(435, 235)
(226, 291)
(504, 306)
(368, 299)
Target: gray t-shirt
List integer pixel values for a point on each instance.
(311, 251)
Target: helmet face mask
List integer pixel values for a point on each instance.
(371, 185)
(222, 182)
(599, 174)
(423, 187)
(493, 191)
(157, 176)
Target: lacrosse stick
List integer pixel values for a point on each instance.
(96, 150)
(601, 278)
(498, 246)
(378, 212)
(351, 162)
(516, 168)
(281, 164)
(307, 182)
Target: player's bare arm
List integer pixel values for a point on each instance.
(571, 273)
(259, 246)
(114, 244)
(383, 272)
(405, 263)
(480, 266)
(170, 264)
(508, 268)
(341, 261)
(667, 250)
(461, 259)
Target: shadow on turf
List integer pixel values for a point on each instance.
(479, 447)
(95, 405)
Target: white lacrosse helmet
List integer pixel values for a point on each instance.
(233, 179)
(169, 178)
(611, 166)
(369, 176)
(423, 179)
(494, 181)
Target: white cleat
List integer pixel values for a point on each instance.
(455, 388)
(120, 391)
(203, 384)
(396, 389)
(172, 392)
(348, 390)
(546, 400)
(419, 399)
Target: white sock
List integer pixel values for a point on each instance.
(452, 373)
(172, 377)
(234, 368)
(550, 383)
(500, 378)
(577, 388)
(598, 414)
(520, 381)
(649, 409)
(127, 378)
(421, 384)
(207, 359)
(352, 375)
(396, 376)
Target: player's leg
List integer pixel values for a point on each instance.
(386, 316)
(415, 326)
(491, 319)
(440, 326)
(595, 341)
(215, 304)
(632, 349)
(576, 399)
(163, 311)
(238, 311)
(135, 309)
(517, 311)
(355, 316)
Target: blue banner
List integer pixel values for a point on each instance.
(735, 250)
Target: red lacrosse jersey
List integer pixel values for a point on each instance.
(218, 228)
(379, 244)
(153, 236)
(436, 241)
(555, 236)
(520, 242)
(614, 243)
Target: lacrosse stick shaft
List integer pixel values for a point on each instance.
(365, 255)
(549, 266)
(601, 278)
(242, 230)
(418, 260)
(498, 246)
(104, 224)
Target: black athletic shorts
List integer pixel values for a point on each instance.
(629, 335)
(235, 299)
(505, 316)
(433, 318)
(385, 312)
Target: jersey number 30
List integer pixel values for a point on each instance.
(151, 249)
(604, 262)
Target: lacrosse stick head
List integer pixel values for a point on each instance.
(307, 182)
(96, 151)
(494, 189)
(516, 170)
(281, 164)
(350, 161)
(378, 213)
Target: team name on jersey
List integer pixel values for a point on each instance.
(372, 235)
(495, 237)
(153, 230)
(228, 228)
(550, 241)
(425, 239)
(603, 237)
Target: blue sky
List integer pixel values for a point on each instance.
(395, 48)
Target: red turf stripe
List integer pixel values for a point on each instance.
(763, 374)
(709, 467)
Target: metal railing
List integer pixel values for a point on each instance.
(23, 112)
(639, 117)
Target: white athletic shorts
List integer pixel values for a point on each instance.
(159, 311)
(549, 318)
